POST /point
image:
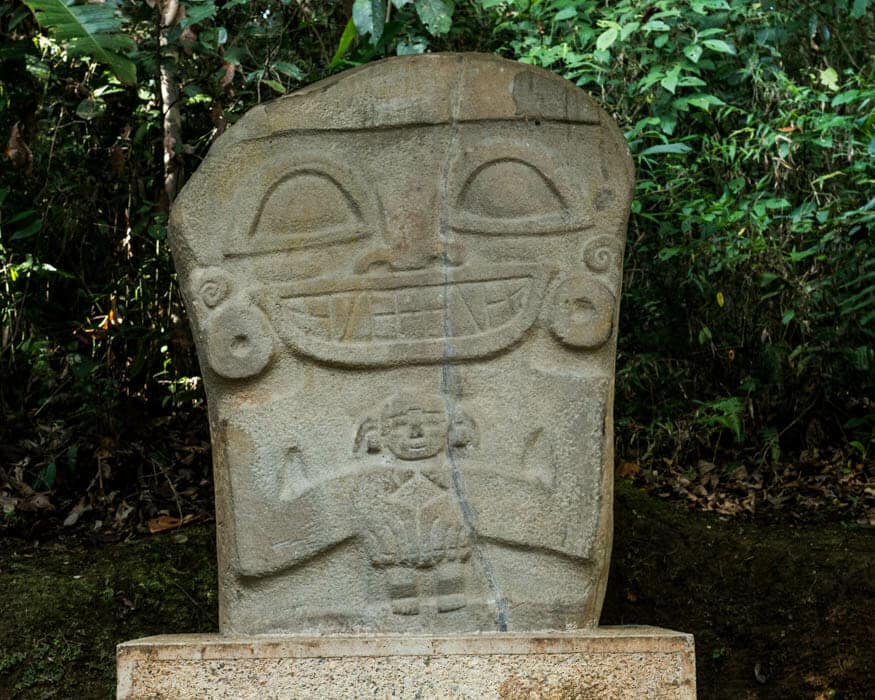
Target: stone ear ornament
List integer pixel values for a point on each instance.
(582, 313)
(239, 341)
(238, 335)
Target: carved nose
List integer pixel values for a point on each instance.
(404, 257)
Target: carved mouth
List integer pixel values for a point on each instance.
(404, 318)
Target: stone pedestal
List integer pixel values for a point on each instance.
(609, 662)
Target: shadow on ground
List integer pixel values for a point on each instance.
(778, 611)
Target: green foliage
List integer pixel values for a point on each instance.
(750, 278)
(89, 30)
(404, 34)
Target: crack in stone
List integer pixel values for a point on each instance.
(448, 369)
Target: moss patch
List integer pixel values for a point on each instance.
(777, 610)
(66, 605)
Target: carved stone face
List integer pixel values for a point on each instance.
(414, 429)
(361, 260)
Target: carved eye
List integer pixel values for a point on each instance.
(306, 207)
(511, 196)
(509, 189)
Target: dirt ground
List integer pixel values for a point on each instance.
(778, 610)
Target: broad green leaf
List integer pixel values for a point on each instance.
(844, 97)
(719, 46)
(693, 52)
(691, 81)
(92, 31)
(30, 230)
(343, 45)
(46, 477)
(829, 78)
(656, 25)
(289, 69)
(705, 101)
(369, 17)
(89, 108)
(607, 38)
(410, 48)
(670, 81)
(436, 15)
(566, 13)
(858, 9)
(666, 148)
(668, 123)
(668, 253)
(195, 14)
(275, 85)
(21, 216)
(627, 29)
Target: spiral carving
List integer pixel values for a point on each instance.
(213, 286)
(602, 253)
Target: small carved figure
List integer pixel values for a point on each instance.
(415, 529)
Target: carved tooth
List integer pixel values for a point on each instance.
(473, 299)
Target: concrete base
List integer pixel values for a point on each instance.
(610, 662)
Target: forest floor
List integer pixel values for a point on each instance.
(778, 609)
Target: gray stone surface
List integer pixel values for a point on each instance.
(404, 283)
(629, 662)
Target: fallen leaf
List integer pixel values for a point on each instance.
(162, 523)
(18, 151)
(75, 513)
(628, 470)
(167, 522)
(759, 674)
(228, 76)
(8, 503)
(217, 115)
(38, 501)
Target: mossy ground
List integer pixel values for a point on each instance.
(64, 607)
(777, 611)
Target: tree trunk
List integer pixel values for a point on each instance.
(172, 120)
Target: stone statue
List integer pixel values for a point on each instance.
(404, 286)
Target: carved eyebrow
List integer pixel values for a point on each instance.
(286, 220)
(497, 162)
(510, 193)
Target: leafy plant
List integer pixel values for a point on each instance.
(92, 30)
